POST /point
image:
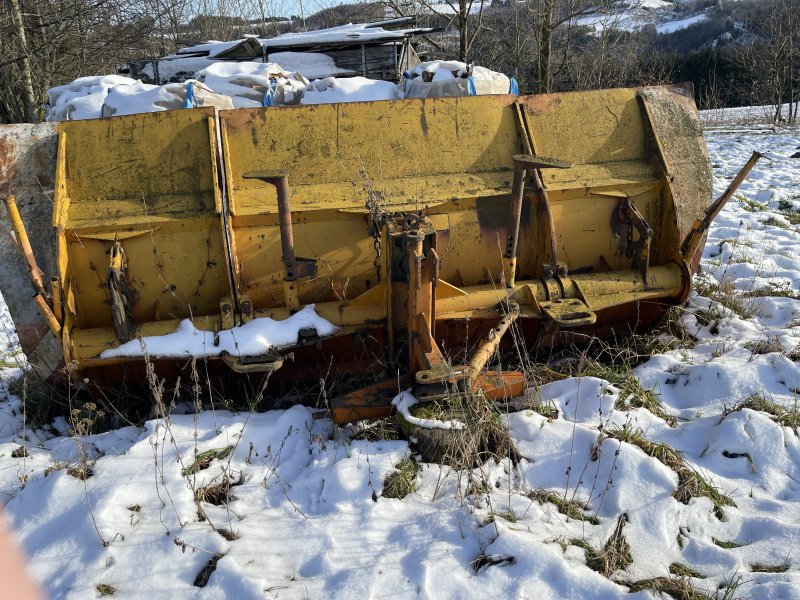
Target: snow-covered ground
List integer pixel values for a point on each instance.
(305, 515)
(639, 13)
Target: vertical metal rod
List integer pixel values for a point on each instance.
(287, 243)
(413, 246)
(285, 220)
(290, 263)
(24, 245)
(510, 256)
(55, 294)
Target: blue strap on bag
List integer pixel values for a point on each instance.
(190, 101)
(269, 97)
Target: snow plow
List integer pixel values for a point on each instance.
(403, 243)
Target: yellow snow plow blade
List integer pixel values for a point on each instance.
(422, 229)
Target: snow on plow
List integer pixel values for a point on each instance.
(401, 239)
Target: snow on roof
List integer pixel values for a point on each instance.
(312, 65)
(653, 3)
(343, 34)
(350, 33)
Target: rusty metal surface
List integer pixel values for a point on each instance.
(27, 169)
(676, 125)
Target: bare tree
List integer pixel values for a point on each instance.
(554, 23)
(466, 17)
(773, 61)
(51, 42)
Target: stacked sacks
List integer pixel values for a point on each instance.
(112, 95)
(82, 98)
(141, 97)
(440, 78)
(350, 89)
(253, 84)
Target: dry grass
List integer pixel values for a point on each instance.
(82, 471)
(690, 483)
(485, 436)
(682, 570)
(227, 534)
(42, 402)
(679, 588)
(759, 402)
(218, 493)
(20, 452)
(573, 509)
(615, 555)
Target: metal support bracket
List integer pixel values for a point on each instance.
(522, 164)
(263, 363)
(119, 292)
(294, 267)
(568, 312)
(625, 218)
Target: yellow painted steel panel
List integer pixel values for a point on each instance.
(413, 152)
(114, 166)
(587, 127)
(149, 181)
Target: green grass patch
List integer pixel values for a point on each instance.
(750, 205)
(773, 222)
(104, 589)
(727, 545)
(774, 290)
(767, 345)
(631, 392)
(762, 568)
(727, 295)
(204, 459)
(403, 480)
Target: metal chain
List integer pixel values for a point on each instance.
(629, 241)
(376, 244)
(378, 218)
